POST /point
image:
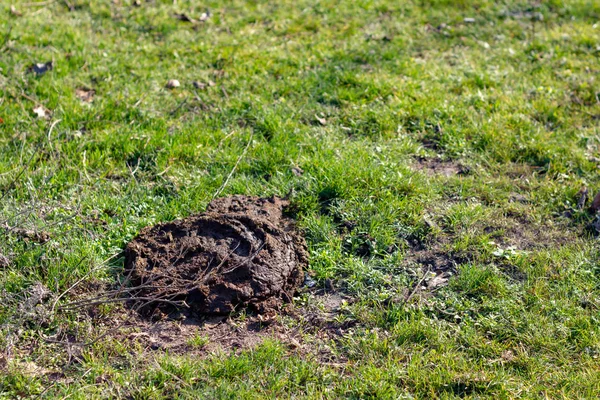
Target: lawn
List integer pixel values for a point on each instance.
(436, 155)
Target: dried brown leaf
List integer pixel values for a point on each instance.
(15, 12)
(4, 261)
(173, 83)
(205, 16)
(203, 85)
(297, 171)
(84, 94)
(41, 112)
(437, 281)
(321, 120)
(583, 195)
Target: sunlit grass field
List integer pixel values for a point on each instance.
(436, 154)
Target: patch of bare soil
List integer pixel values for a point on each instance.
(519, 171)
(203, 336)
(522, 233)
(436, 265)
(312, 328)
(242, 252)
(436, 166)
(306, 330)
(84, 94)
(29, 235)
(513, 233)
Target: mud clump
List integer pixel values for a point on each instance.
(242, 252)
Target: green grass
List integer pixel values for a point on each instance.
(351, 92)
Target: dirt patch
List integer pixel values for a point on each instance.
(323, 313)
(435, 260)
(437, 166)
(86, 95)
(28, 235)
(320, 318)
(313, 328)
(243, 252)
(204, 336)
(519, 171)
(522, 233)
(4, 261)
(435, 265)
(510, 270)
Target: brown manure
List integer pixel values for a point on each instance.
(242, 252)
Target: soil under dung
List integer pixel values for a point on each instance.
(242, 252)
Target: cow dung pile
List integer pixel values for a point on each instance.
(242, 252)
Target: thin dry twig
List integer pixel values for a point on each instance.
(235, 166)
(132, 172)
(172, 375)
(225, 138)
(41, 395)
(37, 103)
(115, 293)
(52, 127)
(25, 167)
(74, 285)
(181, 104)
(88, 343)
(583, 195)
(249, 258)
(164, 171)
(140, 100)
(417, 286)
(149, 300)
